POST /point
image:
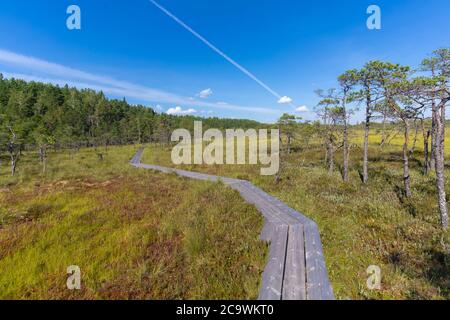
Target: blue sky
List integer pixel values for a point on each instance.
(133, 49)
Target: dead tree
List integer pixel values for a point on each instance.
(332, 115)
(13, 150)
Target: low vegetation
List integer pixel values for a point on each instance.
(361, 225)
(134, 234)
(377, 190)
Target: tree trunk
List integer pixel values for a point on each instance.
(366, 146)
(44, 165)
(44, 159)
(278, 175)
(346, 153)
(383, 133)
(406, 175)
(346, 144)
(440, 165)
(289, 143)
(416, 132)
(433, 135)
(13, 165)
(41, 154)
(330, 156)
(426, 138)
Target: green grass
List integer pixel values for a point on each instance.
(139, 234)
(135, 234)
(361, 225)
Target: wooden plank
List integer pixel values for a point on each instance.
(137, 157)
(272, 278)
(196, 175)
(317, 283)
(251, 198)
(230, 181)
(262, 204)
(268, 231)
(156, 168)
(284, 208)
(294, 283)
(296, 267)
(281, 206)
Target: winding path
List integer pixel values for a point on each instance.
(296, 268)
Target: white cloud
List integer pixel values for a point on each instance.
(285, 100)
(205, 93)
(179, 111)
(302, 109)
(34, 69)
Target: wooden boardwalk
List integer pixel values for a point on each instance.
(296, 268)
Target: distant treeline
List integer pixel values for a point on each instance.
(43, 115)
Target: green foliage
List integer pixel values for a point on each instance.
(135, 234)
(361, 225)
(44, 114)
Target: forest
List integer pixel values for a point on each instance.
(37, 116)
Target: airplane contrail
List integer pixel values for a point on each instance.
(217, 50)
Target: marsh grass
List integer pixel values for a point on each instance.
(361, 225)
(135, 234)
